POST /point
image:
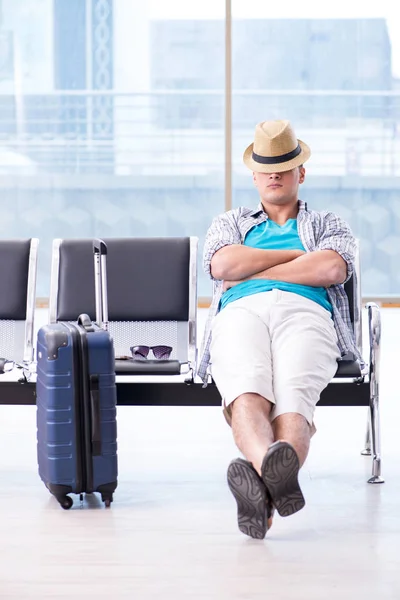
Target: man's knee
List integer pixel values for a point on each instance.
(251, 402)
(290, 417)
(292, 422)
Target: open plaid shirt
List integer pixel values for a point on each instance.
(317, 231)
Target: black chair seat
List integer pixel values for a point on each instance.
(348, 367)
(147, 367)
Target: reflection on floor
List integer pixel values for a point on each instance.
(171, 531)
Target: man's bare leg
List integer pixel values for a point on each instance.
(293, 428)
(253, 435)
(281, 464)
(278, 468)
(251, 427)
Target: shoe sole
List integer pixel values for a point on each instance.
(251, 499)
(280, 470)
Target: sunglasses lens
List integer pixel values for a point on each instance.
(8, 366)
(140, 351)
(162, 352)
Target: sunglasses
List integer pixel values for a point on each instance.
(160, 352)
(8, 365)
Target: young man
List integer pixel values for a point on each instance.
(278, 323)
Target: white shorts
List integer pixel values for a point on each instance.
(277, 344)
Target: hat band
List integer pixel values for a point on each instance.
(274, 160)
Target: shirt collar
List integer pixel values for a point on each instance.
(260, 209)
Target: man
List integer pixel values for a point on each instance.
(278, 323)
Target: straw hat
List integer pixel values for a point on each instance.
(275, 148)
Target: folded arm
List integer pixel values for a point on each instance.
(321, 268)
(331, 263)
(225, 256)
(237, 262)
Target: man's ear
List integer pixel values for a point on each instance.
(302, 174)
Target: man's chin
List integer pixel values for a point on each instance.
(277, 198)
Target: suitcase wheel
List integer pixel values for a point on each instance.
(107, 500)
(65, 502)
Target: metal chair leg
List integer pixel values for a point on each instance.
(374, 363)
(376, 442)
(367, 446)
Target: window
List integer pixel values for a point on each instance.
(335, 79)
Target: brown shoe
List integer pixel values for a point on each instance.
(279, 471)
(254, 507)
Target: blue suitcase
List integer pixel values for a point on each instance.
(76, 403)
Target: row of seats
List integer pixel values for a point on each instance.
(152, 297)
(152, 300)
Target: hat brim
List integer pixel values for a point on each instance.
(276, 167)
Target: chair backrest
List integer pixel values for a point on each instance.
(18, 268)
(353, 291)
(152, 290)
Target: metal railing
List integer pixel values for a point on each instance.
(182, 131)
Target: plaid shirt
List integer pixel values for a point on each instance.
(317, 231)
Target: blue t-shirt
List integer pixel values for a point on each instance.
(270, 236)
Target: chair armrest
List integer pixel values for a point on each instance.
(374, 322)
(348, 367)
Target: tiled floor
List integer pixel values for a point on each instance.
(171, 532)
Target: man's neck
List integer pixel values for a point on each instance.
(281, 213)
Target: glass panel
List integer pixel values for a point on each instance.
(334, 71)
(111, 120)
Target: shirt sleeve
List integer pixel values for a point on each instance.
(337, 235)
(223, 231)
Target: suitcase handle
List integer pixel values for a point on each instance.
(100, 280)
(95, 414)
(85, 321)
(99, 247)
